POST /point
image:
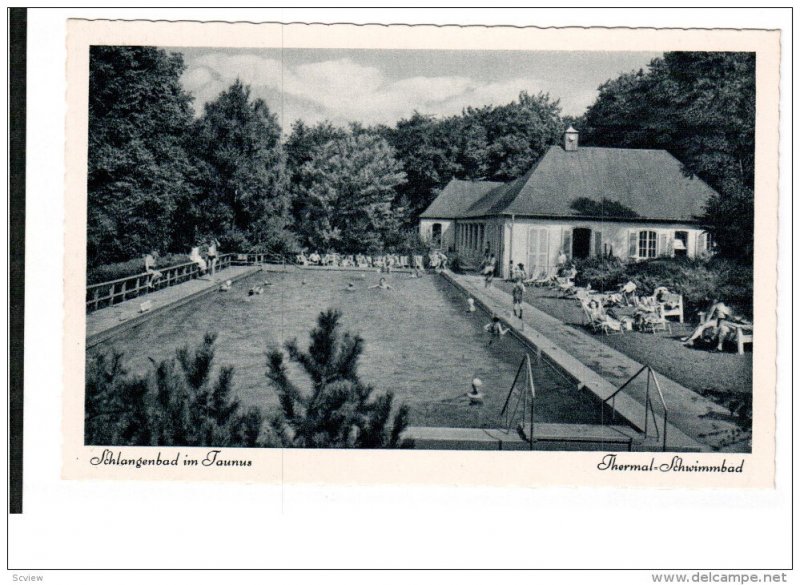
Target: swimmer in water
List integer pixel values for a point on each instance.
(495, 329)
(470, 305)
(475, 395)
(351, 286)
(382, 285)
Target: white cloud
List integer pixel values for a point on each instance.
(343, 90)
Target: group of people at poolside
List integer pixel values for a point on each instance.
(384, 263)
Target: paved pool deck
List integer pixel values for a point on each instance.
(106, 323)
(693, 420)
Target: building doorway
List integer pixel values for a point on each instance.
(436, 235)
(581, 242)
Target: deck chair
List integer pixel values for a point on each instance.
(656, 321)
(542, 274)
(673, 305)
(544, 279)
(404, 262)
(598, 325)
(744, 334)
(418, 263)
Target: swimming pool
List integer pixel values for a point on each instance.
(420, 343)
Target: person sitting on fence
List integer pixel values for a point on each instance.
(301, 259)
(710, 325)
(153, 275)
(195, 257)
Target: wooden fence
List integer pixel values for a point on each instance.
(106, 294)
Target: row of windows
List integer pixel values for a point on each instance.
(470, 236)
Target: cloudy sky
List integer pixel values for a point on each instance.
(379, 86)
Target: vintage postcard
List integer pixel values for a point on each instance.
(412, 254)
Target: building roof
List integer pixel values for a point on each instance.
(457, 197)
(643, 184)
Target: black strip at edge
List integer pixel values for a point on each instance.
(17, 67)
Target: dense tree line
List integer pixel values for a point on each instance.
(700, 107)
(162, 180)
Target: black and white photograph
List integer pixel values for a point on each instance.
(420, 249)
(400, 289)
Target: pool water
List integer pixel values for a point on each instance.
(420, 343)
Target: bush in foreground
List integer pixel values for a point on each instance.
(177, 403)
(339, 411)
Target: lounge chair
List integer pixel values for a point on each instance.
(544, 278)
(606, 324)
(403, 262)
(655, 321)
(538, 277)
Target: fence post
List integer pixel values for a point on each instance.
(96, 297)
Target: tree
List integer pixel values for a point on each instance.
(700, 106)
(137, 162)
(345, 192)
(244, 199)
(518, 134)
(339, 411)
(428, 151)
(177, 403)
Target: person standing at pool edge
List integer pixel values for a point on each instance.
(488, 270)
(517, 294)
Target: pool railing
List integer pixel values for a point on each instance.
(112, 292)
(648, 405)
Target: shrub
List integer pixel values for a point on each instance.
(340, 410)
(177, 403)
(699, 281)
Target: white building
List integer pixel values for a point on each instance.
(635, 204)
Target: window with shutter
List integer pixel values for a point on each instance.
(633, 240)
(663, 249)
(566, 242)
